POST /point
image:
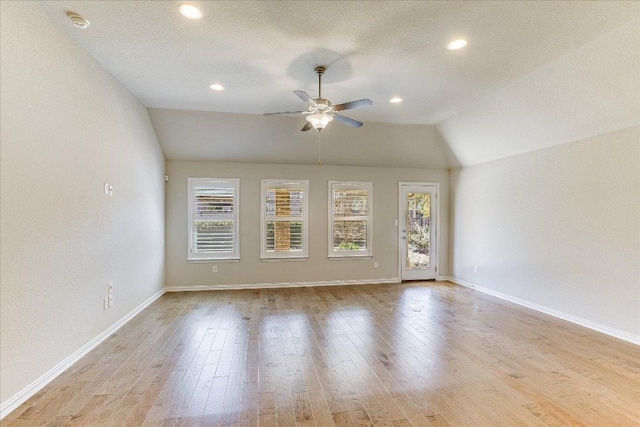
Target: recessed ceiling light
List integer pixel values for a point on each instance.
(395, 100)
(190, 12)
(216, 86)
(457, 44)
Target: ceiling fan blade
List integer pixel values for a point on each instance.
(306, 127)
(353, 104)
(347, 121)
(305, 97)
(285, 113)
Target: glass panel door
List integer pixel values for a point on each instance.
(417, 226)
(417, 232)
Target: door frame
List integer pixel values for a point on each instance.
(435, 244)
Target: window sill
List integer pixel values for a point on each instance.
(348, 257)
(284, 259)
(211, 260)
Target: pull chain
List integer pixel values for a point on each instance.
(319, 161)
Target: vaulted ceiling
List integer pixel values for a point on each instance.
(533, 74)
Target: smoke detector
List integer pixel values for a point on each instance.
(78, 20)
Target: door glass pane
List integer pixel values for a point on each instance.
(418, 230)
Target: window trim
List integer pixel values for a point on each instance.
(351, 185)
(284, 256)
(227, 183)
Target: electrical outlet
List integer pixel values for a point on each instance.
(105, 302)
(110, 300)
(106, 188)
(395, 222)
(375, 264)
(110, 287)
(214, 269)
(477, 269)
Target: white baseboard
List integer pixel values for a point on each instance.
(282, 285)
(616, 333)
(18, 399)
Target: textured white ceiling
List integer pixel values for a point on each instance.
(263, 50)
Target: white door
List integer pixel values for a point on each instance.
(418, 208)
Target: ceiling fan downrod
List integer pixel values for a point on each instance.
(320, 71)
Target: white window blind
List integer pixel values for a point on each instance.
(350, 219)
(284, 219)
(213, 218)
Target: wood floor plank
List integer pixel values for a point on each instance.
(413, 354)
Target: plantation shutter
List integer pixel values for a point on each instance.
(350, 219)
(350, 203)
(214, 227)
(284, 219)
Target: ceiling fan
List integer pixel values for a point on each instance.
(320, 111)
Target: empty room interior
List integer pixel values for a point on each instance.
(316, 213)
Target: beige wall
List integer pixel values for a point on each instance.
(559, 227)
(250, 270)
(67, 127)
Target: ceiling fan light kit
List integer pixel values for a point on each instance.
(319, 121)
(320, 111)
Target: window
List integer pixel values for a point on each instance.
(213, 219)
(283, 225)
(350, 216)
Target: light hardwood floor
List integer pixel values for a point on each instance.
(420, 354)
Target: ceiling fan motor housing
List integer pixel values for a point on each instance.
(322, 105)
